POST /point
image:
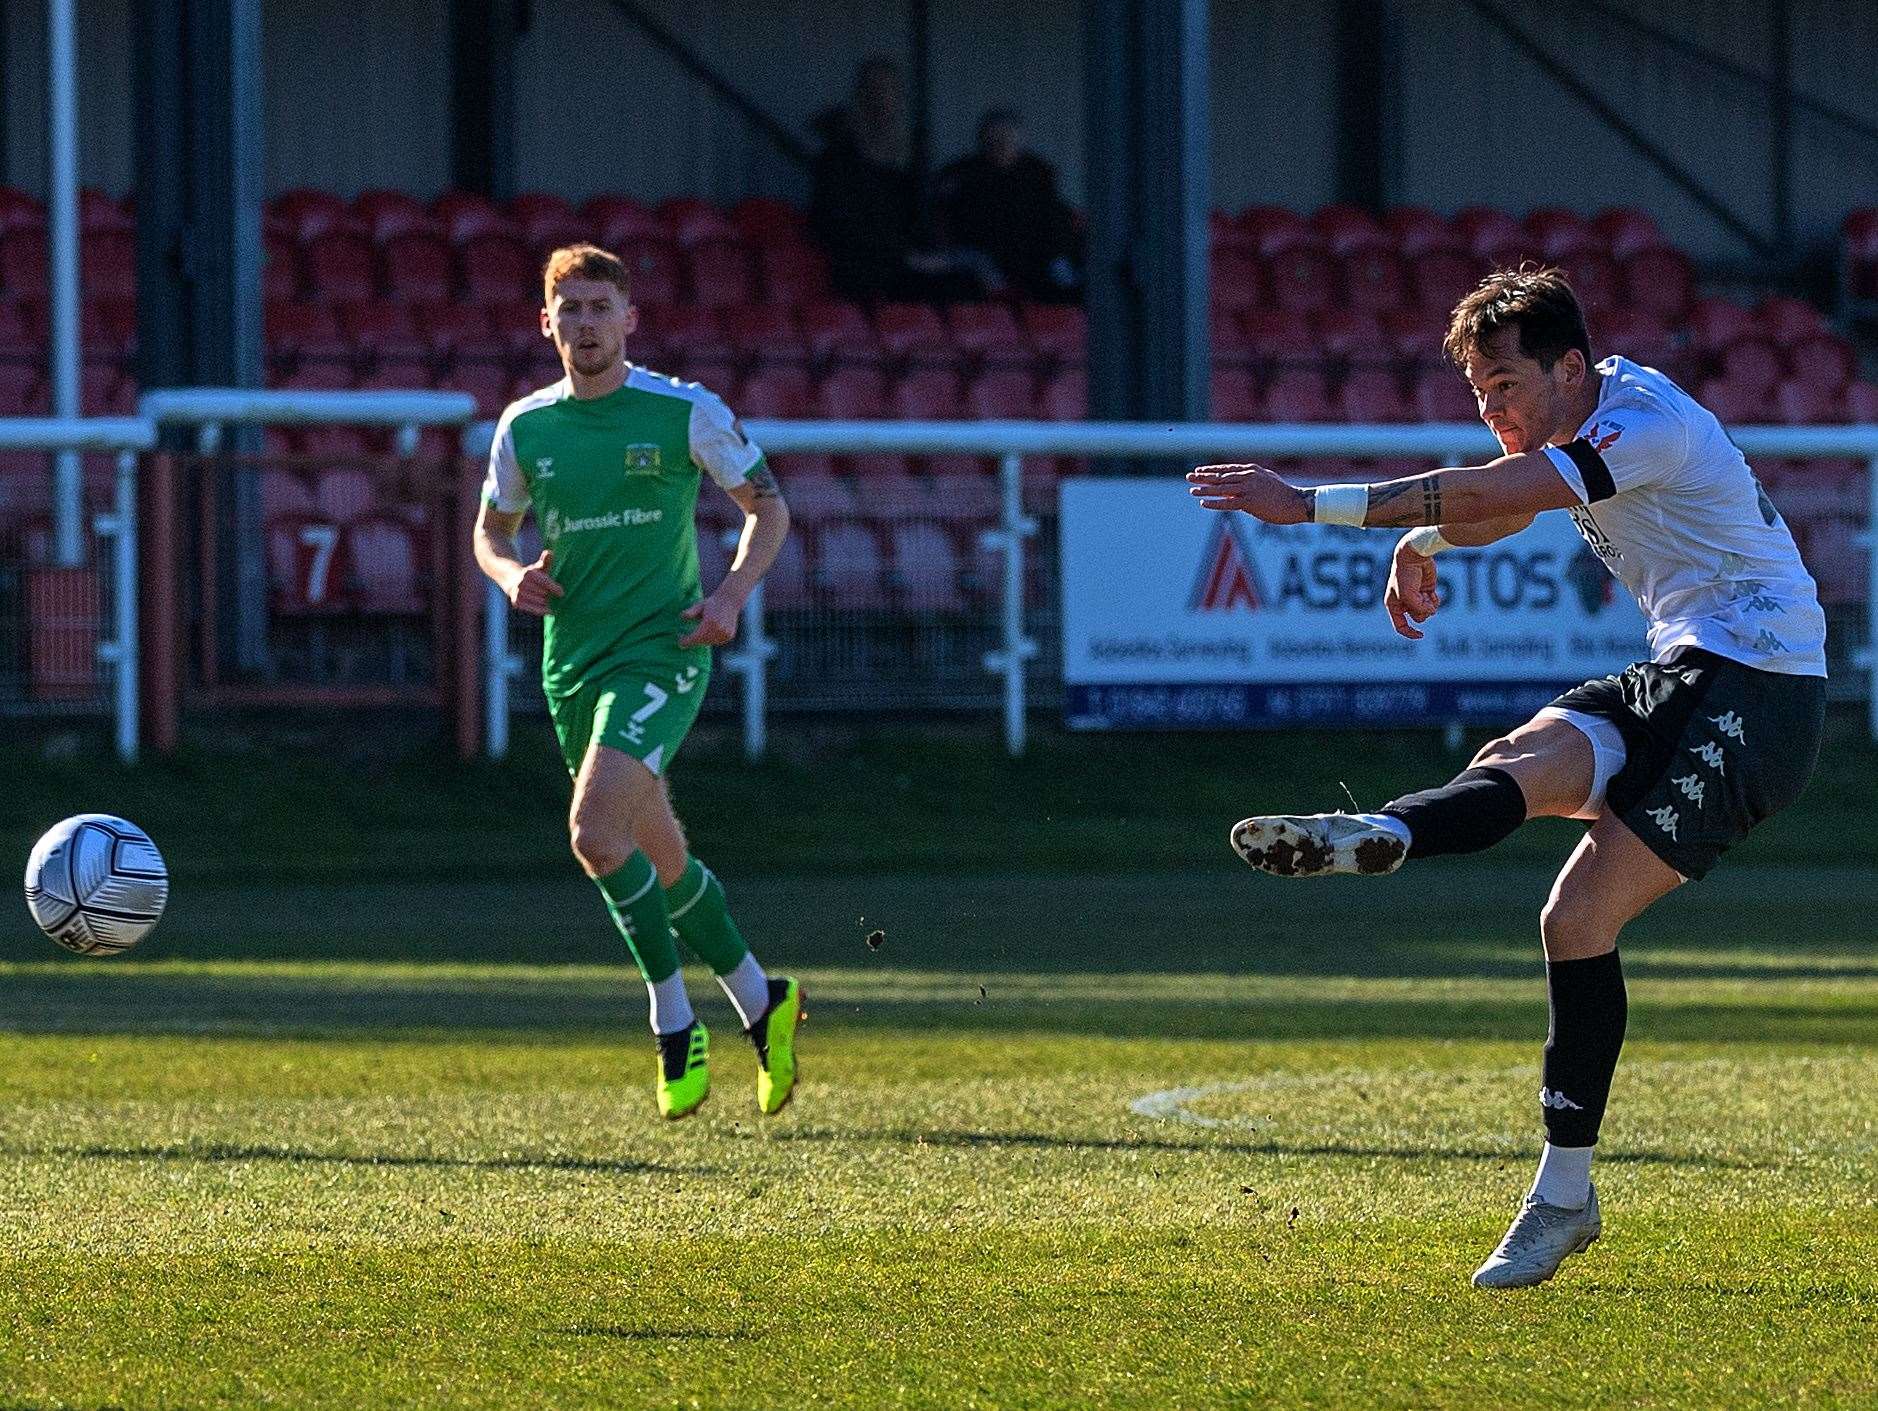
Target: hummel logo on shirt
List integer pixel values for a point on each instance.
(1665, 818)
(1558, 1102)
(1730, 725)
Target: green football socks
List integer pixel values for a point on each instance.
(701, 915)
(637, 903)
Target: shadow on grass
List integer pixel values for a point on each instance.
(1045, 1141)
(227, 1152)
(74, 1001)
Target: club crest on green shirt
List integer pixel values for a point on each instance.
(642, 458)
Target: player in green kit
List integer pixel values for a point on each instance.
(610, 459)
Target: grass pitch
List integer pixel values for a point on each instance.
(1193, 1140)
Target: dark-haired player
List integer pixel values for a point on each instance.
(1673, 761)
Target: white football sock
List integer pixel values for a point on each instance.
(1564, 1176)
(748, 988)
(1393, 824)
(671, 1006)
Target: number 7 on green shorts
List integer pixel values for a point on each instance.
(644, 711)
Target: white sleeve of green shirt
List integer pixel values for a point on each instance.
(504, 488)
(718, 444)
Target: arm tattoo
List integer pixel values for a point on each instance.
(1396, 504)
(764, 483)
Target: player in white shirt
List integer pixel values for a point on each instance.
(1672, 762)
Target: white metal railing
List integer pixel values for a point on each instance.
(1011, 441)
(125, 436)
(211, 410)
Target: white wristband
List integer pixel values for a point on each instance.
(1340, 504)
(1427, 540)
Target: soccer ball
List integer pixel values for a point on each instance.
(96, 884)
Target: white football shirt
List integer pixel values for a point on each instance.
(1668, 503)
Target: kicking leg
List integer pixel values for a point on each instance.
(700, 914)
(1546, 768)
(612, 793)
(1611, 878)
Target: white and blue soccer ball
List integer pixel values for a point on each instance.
(96, 884)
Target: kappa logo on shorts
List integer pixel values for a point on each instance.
(1730, 725)
(1692, 788)
(1667, 819)
(1557, 1101)
(1711, 754)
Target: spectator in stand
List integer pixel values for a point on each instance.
(864, 203)
(1002, 204)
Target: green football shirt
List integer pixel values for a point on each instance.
(614, 482)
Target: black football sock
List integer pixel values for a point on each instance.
(1474, 810)
(1589, 1009)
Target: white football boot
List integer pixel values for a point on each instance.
(1319, 844)
(1541, 1238)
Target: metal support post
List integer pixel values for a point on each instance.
(751, 661)
(1010, 659)
(62, 116)
(120, 651)
(498, 667)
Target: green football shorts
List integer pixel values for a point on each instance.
(643, 710)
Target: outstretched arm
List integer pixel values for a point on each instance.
(1502, 490)
(765, 526)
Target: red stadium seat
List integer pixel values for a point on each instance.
(850, 569)
(1861, 400)
(889, 495)
(108, 260)
(417, 266)
(763, 220)
(1824, 361)
(110, 323)
(1558, 233)
(343, 493)
(1232, 345)
(23, 263)
(1059, 332)
(1490, 233)
(1373, 279)
(1634, 333)
(1414, 333)
(1299, 394)
(912, 331)
(307, 214)
(1858, 254)
(390, 213)
(19, 209)
(382, 331)
(925, 568)
(927, 394)
(339, 267)
(1347, 229)
(1803, 404)
(280, 268)
(1065, 396)
(851, 394)
(691, 329)
(654, 270)
(546, 220)
(1370, 394)
(308, 565)
(1837, 559)
(988, 332)
(1276, 228)
(622, 221)
(1002, 394)
(386, 565)
(1234, 395)
(776, 391)
(1225, 233)
(488, 383)
(1715, 323)
(1737, 406)
(1626, 230)
(1441, 394)
(335, 443)
(1439, 279)
(1658, 280)
(793, 272)
(1237, 282)
(467, 216)
(97, 212)
(786, 585)
(296, 331)
(1281, 336)
(1417, 230)
(815, 496)
(695, 221)
(966, 499)
(1352, 334)
(1303, 279)
(766, 331)
(721, 275)
(496, 268)
(1787, 320)
(398, 375)
(1751, 363)
(1595, 279)
(449, 326)
(840, 331)
(283, 493)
